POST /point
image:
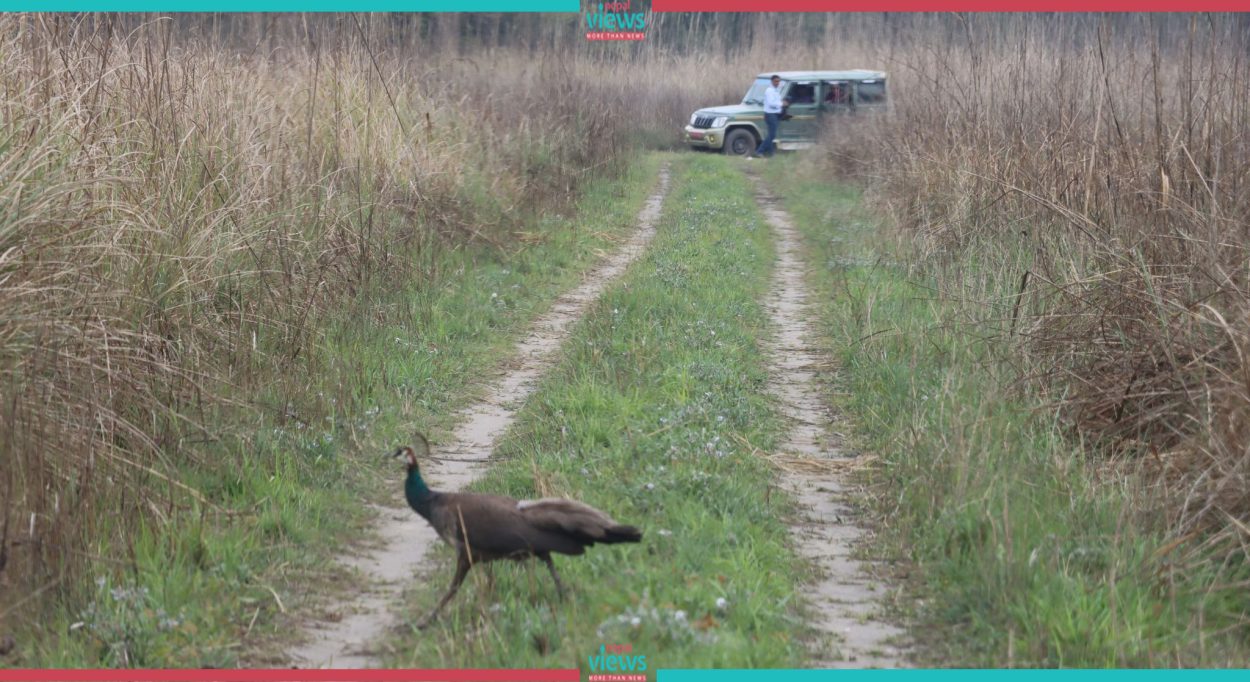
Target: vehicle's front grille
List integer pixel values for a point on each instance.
(703, 121)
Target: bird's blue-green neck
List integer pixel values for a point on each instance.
(418, 493)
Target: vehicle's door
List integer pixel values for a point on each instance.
(803, 111)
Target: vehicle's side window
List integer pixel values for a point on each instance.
(837, 93)
(871, 92)
(802, 93)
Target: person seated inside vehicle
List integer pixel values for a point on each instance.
(837, 93)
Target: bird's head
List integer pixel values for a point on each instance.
(410, 455)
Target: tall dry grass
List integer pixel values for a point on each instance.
(1092, 178)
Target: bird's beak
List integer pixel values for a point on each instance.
(398, 453)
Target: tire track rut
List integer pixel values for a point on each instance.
(842, 602)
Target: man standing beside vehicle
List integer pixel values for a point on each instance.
(773, 104)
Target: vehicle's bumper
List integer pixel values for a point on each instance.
(707, 138)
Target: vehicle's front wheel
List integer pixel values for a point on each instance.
(740, 142)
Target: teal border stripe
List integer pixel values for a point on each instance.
(950, 675)
(290, 6)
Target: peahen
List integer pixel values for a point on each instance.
(484, 527)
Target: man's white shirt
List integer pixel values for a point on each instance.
(772, 100)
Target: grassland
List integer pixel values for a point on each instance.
(653, 415)
(1018, 552)
(1099, 166)
(235, 253)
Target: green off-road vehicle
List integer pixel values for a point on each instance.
(813, 95)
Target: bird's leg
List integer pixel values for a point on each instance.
(490, 577)
(551, 566)
(462, 569)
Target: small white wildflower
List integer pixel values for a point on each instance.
(635, 621)
(494, 295)
(721, 603)
(680, 616)
(650, 486)
(664, 532)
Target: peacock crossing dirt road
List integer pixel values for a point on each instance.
(349, 641)
(842, 602)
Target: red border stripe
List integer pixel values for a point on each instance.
(291, 675)
(951, 6)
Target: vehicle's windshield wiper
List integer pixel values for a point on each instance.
(752, 101)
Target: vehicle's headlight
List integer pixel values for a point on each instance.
(720, 121)
(693, 117)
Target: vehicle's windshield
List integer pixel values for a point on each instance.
(756, 94)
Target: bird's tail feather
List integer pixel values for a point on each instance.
(622, 533)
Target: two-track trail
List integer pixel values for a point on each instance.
(843, 604)
(349, 641)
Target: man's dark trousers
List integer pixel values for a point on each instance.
(766, 147)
